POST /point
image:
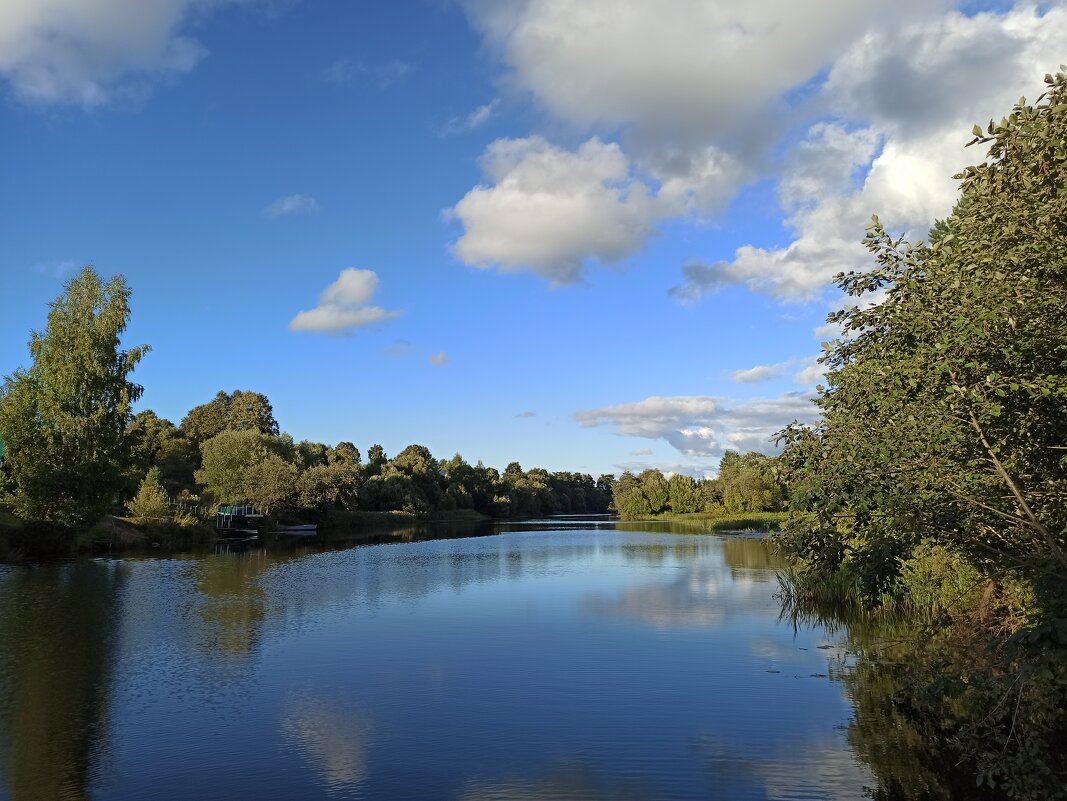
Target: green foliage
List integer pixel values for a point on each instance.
(416, 463)
(683, 495)
(629, 499)
(248, 467)
(394, 492)
(936, 581)
(329, 486)
(945, 413)
(158, 443)
(150, 503)
(746, 484)
(64, 419)
(937, 479)
(241, 411)
(749, 482)
(345, 453)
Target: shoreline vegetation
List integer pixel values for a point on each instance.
(710, 522)
(928, 507)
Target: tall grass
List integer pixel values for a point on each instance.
(718, 521)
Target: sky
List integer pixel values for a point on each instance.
(589, 235)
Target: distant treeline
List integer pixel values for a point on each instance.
(746, 483)
(230, 451)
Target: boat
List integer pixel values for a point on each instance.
(237, 522)
(303, 530)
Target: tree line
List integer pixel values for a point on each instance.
(747, 482)
(74, 451)
(230, 451)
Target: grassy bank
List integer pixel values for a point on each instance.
(964, 669)
(712, 521)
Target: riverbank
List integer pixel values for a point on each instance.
(698, 522)
(29, 541)
(970, 670)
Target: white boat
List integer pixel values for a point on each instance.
(305, 530)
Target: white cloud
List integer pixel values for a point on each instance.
(641, 452)
(525, 415)
(708, 95)
(806, 371)
(703, 426)
(811, 374)
(912, 93)
(761, 372)
(685, 70)
(551, 210)
(475, 119)
(88, 52)
(290, 204)
(342, 305)
(438, 359)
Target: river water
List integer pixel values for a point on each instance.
(547, 660)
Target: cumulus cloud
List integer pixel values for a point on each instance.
(811, 373)
(853, 108)
(704, 426)
(343, 305)
(761, 372)
(909, 95)
(290, 204)
(688, 70)
(806, 372)
(87, 52)
(550, 210)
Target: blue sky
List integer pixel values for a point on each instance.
(601, 234)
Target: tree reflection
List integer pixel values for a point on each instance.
(57, 626)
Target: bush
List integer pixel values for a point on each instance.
(937, 581)
(150, 502)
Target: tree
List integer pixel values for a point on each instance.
(150, 503)
(945, 411)
(684, 497)
(376, 460)
(417, 463)
(325, 486)
(654, 486)
(208, 419)
(248, 467)
(158, 443)
(241, 411)
(345, 453)
(749, 482)
(252, 410)
(65, 419)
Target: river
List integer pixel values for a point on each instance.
(544, 660)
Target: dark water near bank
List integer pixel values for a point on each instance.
(552, 661)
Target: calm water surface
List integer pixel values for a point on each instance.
(551, 661)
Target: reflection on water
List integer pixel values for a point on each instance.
(555, 660)
(331, 739)
(56, 644)
(566, 783)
